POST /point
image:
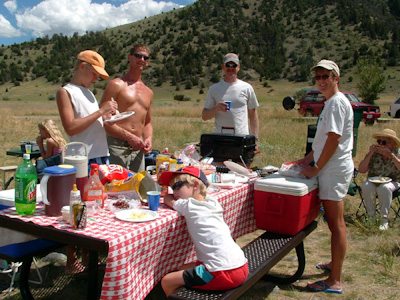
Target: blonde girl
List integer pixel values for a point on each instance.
(54, 140)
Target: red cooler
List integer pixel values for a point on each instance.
(285, 204)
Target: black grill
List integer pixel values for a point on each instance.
(238, 148)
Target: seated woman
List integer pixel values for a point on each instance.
(383, 160)
(49, 132)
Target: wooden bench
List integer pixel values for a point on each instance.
(262, 254)
(4, 170)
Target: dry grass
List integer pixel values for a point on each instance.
(372, 265)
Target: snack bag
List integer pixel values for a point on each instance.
(108, 173)
(127, 184)
(141, 182)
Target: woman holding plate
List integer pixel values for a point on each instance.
(382, 163)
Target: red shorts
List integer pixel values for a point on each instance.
(221, 280)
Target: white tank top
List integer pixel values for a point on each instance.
(84, 103)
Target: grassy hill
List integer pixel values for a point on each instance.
(276, 40)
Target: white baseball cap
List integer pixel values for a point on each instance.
(231, 57)
(328, 65)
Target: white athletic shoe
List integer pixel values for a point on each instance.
(384, 224)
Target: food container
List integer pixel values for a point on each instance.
(162, 164)
(285, 204)
(65, 213)
(76, 154)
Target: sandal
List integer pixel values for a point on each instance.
(323, 266)
(320, 286)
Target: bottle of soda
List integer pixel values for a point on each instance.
(75, 197)
(94, 192)
(25, 187)
(77, 209)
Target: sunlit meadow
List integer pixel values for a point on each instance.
(372, 266)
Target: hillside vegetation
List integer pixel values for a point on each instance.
(275, 39)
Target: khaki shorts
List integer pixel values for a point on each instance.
(121, 153)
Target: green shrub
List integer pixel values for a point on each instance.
(181, 98)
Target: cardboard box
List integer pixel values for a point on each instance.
(285, 204)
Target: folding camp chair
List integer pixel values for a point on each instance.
(11, 268)
(395, 206)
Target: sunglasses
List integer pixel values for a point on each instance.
(140, 56)
(324, 77)
(381, 142)
(177, 185)
(230, 65)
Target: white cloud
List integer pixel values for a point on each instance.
(6, 29)
(70, 16)
(11, 5)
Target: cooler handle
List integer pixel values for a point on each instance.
(43, 188)
(73, 143)
(278, 209)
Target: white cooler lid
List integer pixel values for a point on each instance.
(7, 197)
(276, 183)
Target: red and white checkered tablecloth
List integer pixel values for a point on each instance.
(140, 254)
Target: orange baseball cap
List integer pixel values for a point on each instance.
(96, 60)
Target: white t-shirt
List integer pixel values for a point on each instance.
(211, 237)
(84, 104)
(337, 117)
(243, 98)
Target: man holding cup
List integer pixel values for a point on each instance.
(232, 102)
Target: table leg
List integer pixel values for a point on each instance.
(300, 269)
(92, 292)
(24, 279)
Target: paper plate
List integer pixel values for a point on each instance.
(120, 116)
(136, 215)
(380, 179)
(236, 168)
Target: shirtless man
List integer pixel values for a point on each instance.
(129, 140)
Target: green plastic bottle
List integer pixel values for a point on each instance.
(25, 187)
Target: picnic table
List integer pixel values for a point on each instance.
(20, 153)
(138, 254)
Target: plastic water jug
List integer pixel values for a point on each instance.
(77, 157)
(56, 186)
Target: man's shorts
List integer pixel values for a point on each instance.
(198, 277)
(121, 153)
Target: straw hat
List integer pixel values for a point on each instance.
(388, 133)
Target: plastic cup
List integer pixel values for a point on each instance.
(153, 198)
(28, 148)
(229, 105)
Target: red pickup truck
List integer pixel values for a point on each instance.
(311, 105)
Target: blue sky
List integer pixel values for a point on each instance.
(24, 20)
